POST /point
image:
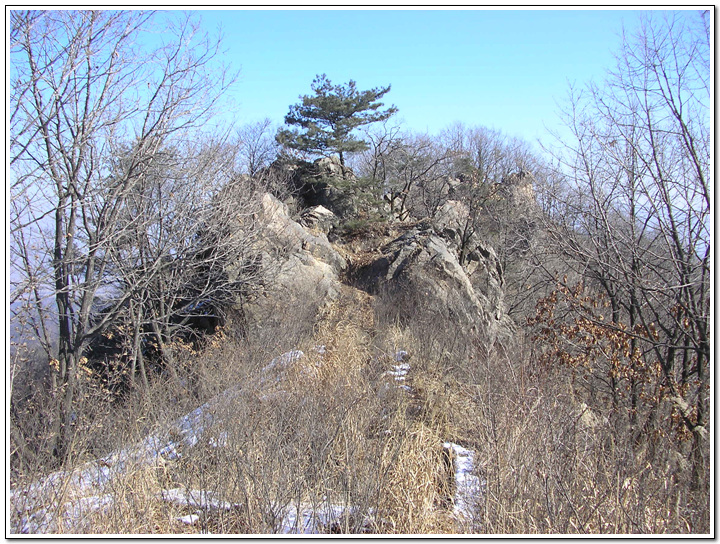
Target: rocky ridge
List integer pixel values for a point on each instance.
(420, 268)
(425, 267)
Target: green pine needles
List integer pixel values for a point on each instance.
(328, 118)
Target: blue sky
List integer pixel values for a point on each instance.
(504, 69)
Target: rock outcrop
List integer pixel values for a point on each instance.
(302, 267)
(422, 275)
(319, 218)
(324, 182)
(433, 269)
(478, 258)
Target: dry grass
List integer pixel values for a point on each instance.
(555, 466)
(418, 485)
(329, 429)
(333, 429)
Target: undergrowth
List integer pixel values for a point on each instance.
(333, 429)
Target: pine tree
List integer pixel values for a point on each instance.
(328, 118)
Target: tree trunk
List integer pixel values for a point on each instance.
(166, 353)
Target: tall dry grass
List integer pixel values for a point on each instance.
(553, 461)
(328, 430)
(555, 465)
(333, 430)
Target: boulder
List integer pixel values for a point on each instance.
(330, 166)
(421, 273)
(291, 237)
(319, 218)
(332, 187)
(302, 268)
(477, 257)
(324, 182)
(519, 188)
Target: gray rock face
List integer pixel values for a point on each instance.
(318, 217)
(317, 183)
(285, 234)
(330, 173)
(479, 259)
(420, 270)
(330, 166)
(303, 268)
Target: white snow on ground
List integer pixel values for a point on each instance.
(467, 486)
(283, 361)
(305, 520)
(276, 371)
(399, 371)
(88, 479)
(194, 498)
(74, 519)
(67, 497)
(189, 519)
(82, 485)
(302, 519)
(308, 520)
(220, 442)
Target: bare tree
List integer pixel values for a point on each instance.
(83, 91)
(487, 154)
(418, 175)
(189, 250)
(633, 221)
(493, 171)
(257, 146)
(384, 139)
(494, 178)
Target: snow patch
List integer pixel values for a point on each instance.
(71, 516)
(305, 519)
(283, 361)
(220, 442)
(296, 519)
(276, 370)
(194, 498)
(81, 485)
(399, 371)
(36, 505)
(468, 486)
(190, 519)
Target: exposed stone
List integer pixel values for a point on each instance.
(319, 218)
(330, 166)
(422, 274)
(303, 268)
(478, 258)
(520, 190)
(289, 236)
(318, 183)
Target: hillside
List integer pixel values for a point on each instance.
(340, 323)
(380, 387)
